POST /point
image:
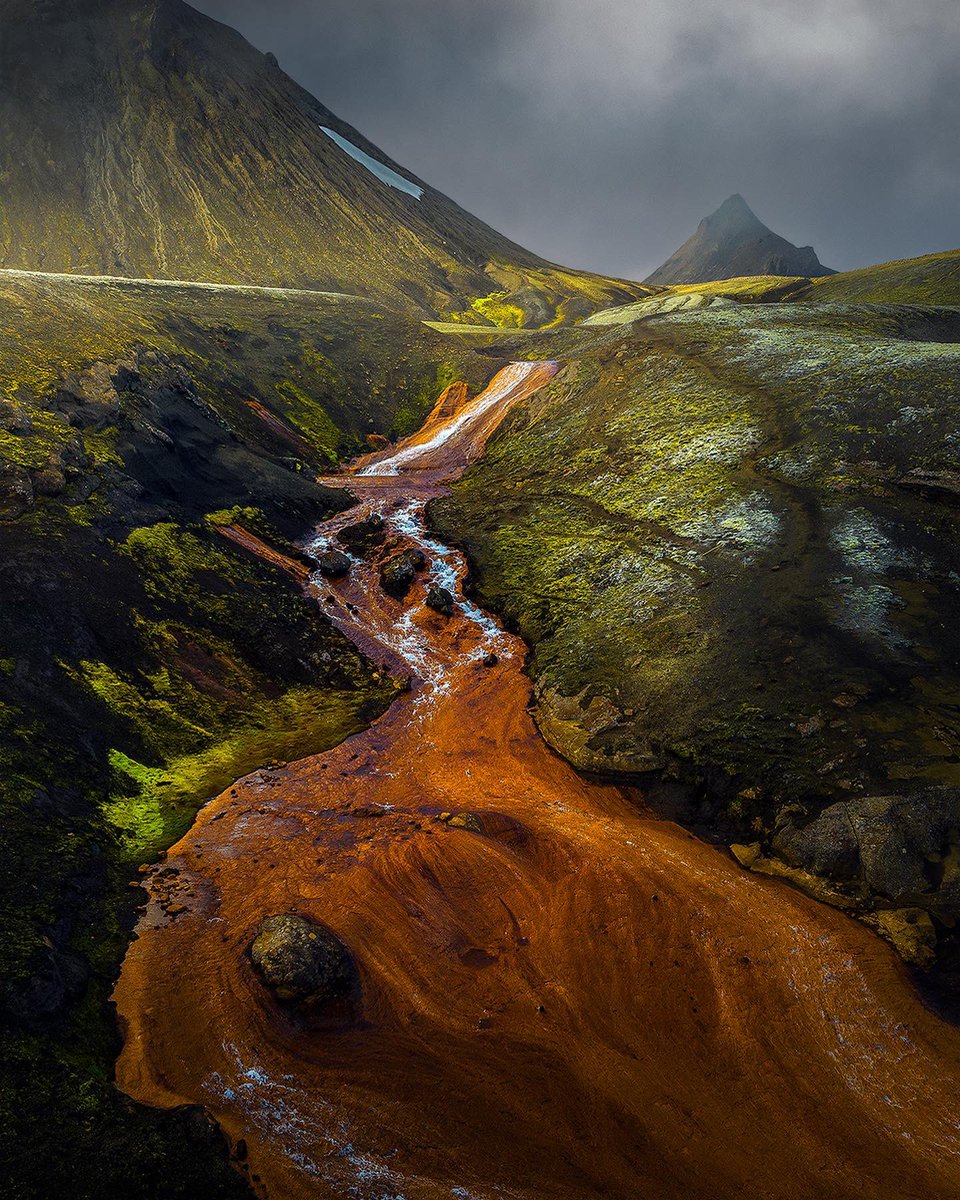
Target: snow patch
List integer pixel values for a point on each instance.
(384, 173)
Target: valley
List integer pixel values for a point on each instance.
(555, 993)
(470, 726)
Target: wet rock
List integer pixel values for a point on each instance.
(334, 564)
(397, 575)
(416, 558)
(376, 441)
(300, 960)
(364, 535)
(491, 659)
(440, 600)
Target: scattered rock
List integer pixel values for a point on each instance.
(491, 659)
(300, 960)
(334, 564)
(440, 600)
(397, 575)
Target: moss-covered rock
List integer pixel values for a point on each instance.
(300, 960)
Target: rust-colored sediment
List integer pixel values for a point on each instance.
(560, 997)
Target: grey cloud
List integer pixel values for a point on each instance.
(598, 132)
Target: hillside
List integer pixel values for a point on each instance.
(731, 243)
(729, 535)
(140, 138)
(931, 279)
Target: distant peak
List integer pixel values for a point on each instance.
(734, 211)
(734, 242)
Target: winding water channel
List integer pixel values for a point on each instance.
(559, 995)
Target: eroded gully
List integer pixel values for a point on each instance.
(559, 996)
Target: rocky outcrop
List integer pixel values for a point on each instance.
(299, 960)
(900, 850)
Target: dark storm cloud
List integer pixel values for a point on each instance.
(598, 132)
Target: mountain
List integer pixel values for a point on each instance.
(139, 138)
(733, 242)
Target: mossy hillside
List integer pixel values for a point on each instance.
(931, 279)
(146, 662)
(331, 368)
(545, 297)
(707, 530)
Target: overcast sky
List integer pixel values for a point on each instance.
(599, 132)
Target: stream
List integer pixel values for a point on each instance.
(559, 995)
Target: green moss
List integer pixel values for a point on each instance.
(496, 309)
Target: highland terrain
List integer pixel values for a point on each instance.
(576, 655)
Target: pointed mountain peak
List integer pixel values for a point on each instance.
(734, 213)
(734, 242)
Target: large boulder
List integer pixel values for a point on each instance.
(440, 599)
(363, 536)
(334, 564)
(397, 575)
(300, 960)
(903, 850)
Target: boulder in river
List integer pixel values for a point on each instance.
(300, 960)
(440, 600)
(397, 574)
(364, 535)
(334, 564)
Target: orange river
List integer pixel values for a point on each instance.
(559, 996)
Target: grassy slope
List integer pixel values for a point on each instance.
(932, 279)
(144, 661)
(703, 531)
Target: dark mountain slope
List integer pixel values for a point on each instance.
(733, 242)
(143, 139)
